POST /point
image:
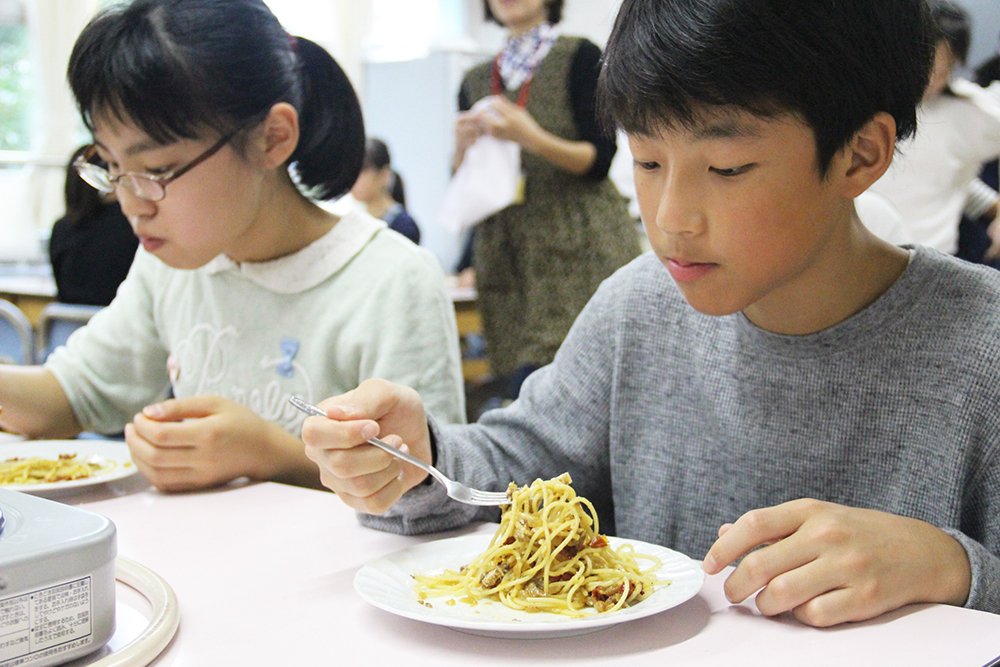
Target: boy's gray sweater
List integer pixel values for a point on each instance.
(673, 422)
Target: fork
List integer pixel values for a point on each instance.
(456, 490)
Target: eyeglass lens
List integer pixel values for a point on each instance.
(100, 179)
(95, 176)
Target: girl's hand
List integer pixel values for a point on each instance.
(203, 441)
(365, 477)
(829, 564)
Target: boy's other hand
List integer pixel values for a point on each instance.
(365, 477)
(830, 564)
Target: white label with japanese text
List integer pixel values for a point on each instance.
(38, 625)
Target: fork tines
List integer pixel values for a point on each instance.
(491, 497)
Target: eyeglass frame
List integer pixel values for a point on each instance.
(83, 163)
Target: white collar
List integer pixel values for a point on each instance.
(310, 266)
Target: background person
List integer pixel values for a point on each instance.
(381, 190)
(538, 262)
(92, 245)
(932, 180)
(988, 72)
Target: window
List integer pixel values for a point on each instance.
(15, 77)
(402, 29)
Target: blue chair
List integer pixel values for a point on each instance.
(17, 338)
(57, 321)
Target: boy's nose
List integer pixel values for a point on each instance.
(680, 209)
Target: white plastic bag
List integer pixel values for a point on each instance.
(488, 180)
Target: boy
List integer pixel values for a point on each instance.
(771, 363)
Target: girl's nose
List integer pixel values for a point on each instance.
(132, 206)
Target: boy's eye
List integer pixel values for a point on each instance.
(733, 171)
(647, 166)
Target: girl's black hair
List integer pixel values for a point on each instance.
(553, 7)
(833, 63)
(377, 157)
(176, 67)
(398, 190)
(376, 154)
(952, 25)
(83, 201)
(988, 71)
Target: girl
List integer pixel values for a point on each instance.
(209, 121)
(380, 189)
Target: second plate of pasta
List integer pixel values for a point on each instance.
(388, 584)
(68, 463)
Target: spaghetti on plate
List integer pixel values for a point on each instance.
(39, 470)
(548, 555)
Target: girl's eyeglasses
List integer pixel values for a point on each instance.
(151, 187)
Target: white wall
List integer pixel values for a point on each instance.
(411, 105)
(985, 18)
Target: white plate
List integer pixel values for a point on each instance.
(103, 451)
(388, 584)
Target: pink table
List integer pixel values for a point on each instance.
(263, 574)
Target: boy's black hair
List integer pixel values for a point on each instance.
(833, 63)
(554, 9)
(174, 68)
(952, 25)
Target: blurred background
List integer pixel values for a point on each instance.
(405, 58)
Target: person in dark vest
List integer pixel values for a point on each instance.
(538, 262)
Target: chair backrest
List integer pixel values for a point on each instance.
(57, 321)
(17, 338)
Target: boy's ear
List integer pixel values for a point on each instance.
(869, 153)
(281, 134)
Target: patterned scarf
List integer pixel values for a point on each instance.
(521, 55)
